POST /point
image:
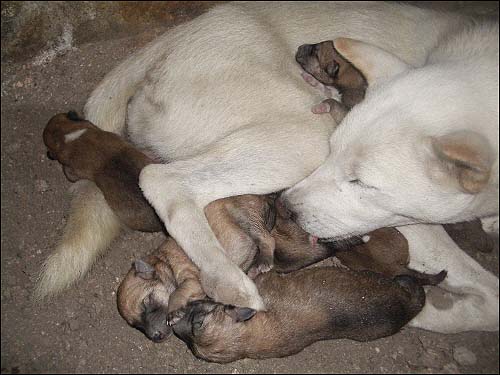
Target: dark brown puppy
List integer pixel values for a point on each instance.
(303, 307)
(470, 236)
(87, 152)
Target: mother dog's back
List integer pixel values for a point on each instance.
(234, 66)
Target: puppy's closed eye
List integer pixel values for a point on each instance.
(332, 69)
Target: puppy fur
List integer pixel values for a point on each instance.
(87, 152)
(303, 307)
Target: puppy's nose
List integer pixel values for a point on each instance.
(303, 52)
(158, 336)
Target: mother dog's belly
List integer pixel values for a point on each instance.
(234, 67)
(214, 79)
(185, 121)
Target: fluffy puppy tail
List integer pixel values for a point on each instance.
(92, 225)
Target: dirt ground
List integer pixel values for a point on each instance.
(81, 330)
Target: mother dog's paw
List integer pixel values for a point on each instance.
(151, 181)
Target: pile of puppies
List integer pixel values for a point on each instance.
(372, 295)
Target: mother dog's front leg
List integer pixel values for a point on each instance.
(185, 221)
(469, 295)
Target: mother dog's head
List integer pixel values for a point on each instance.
(419, 148)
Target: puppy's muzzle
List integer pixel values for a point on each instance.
(303, 53)
(51, 155)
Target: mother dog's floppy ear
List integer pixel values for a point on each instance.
(375, 63)
(466, 156)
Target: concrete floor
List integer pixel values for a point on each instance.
(81, 330)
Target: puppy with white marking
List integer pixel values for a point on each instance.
(87, 152)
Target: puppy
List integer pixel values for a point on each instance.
(329, 68)
(87, 152)
(470, 236)
(303, 307)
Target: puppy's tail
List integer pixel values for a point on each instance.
(92, 225)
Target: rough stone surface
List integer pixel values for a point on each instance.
(44, 29)
(80, 331)
(464, 356)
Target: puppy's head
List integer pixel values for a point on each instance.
(62, 129)
(59, 134)
(143, 297)
(214, 331)
(324, 63)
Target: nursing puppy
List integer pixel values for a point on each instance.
(231, 126)
(306, 306)
(329, 68)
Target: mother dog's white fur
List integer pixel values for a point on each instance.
(222, 100)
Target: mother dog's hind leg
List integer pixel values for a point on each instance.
(469, 301)
(254, 160)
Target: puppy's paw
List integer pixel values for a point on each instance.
(257, 269)
(310, 79)
(175, 316)
(320, 108)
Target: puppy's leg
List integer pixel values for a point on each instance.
(335, 108)
(472, 301)
(187, 278)
(249, 161)
(328, 91)
(490, 225)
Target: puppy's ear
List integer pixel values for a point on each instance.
(144, 270)
(375, 63)
(239, 314)
(466, 157)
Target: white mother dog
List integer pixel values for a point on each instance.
(222, 100)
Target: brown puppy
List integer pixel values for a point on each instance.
(303, 307)
(326, 65)
(470, 236)
(87, 152)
